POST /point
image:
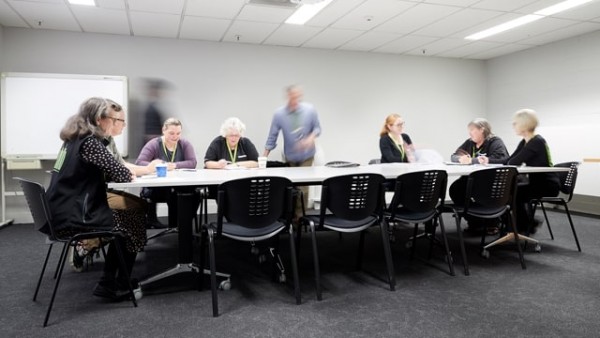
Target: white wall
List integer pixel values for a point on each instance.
(561, 81)
(352, 91)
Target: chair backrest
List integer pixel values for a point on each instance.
(254, 202)
(35, 195)
(420, 191)
(353, 197)
(568, 179)
(492, 189)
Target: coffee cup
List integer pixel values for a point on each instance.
(262, 162)
(161, 170)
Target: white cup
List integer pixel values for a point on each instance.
(262, 162)
(161, 170)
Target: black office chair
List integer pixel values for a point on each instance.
(491, 194)
(419, 198)
(40, 210)
(250, 210)
(567, 187)
(355, 203)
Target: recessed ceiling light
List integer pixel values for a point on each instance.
(559, 7)
(83, 2)
(307, 11)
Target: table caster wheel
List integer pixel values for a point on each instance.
(282, 278)
(225, 285)
(485, 254)
(537, 247)
(138, 293)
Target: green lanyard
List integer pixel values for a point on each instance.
(400, 147)
(233, 155)
(167, 153)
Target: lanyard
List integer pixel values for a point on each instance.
(167, 153)
(399, 146)
(233, 155)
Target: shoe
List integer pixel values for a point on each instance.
(105, 291)
(75, 259)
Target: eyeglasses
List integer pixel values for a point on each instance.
(115, 119)
(399, 124)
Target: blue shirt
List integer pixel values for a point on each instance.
(294, 126)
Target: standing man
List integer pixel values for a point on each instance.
(299, 123)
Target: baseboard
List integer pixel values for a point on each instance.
(585, 204)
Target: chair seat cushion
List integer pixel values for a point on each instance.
(238, 232)
(482, 212)
(343, 225)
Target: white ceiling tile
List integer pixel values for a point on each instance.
(9, 18)
(249, 32)
(498, 51)
(40, 1)
(369, 41)
(292, 35)
(332, 38)
(461, 3)
(439, 46)
(457, 22)
(372, 13)
(503, 5)
(472, 48)
(203, 28)
(530, 30)
(154, 24)
(265, 13)
(416, 18)
(333, 12)
(111, 4)
(100, 20)
(50, 15)
(228, 9)
(574, 30)
(404, 44)
(157, 6)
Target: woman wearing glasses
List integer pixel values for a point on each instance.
(176, 153)
(231, 148)
(394, 144)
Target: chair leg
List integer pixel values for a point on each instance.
(316, 260)
(461, 241)
(37, 288)
(202, 259)
(414, 241)
(445, 239)
(59, 260)
(61, 265)
(361, 246)
(294, 264)
(213, 273)
(546, 218)
(513, 225)
(387, 252)
(572, 226)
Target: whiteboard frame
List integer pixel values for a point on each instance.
(123, 143)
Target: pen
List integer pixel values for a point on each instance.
(481, 154)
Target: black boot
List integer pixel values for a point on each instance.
(153, 222)
(107, 286)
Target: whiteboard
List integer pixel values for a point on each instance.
(35, 107)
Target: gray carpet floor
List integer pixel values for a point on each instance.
(558, 295)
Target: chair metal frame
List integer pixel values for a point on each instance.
(356, 202)
(491, 197)
(251, 209)
(567, 187)
(419, 198)
(35, 195)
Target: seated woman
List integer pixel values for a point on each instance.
(482, 147)
(77, 192)
(231, 147)
(532, 151)
(177, 153)
(395, 146)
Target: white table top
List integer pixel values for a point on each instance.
(302, 175)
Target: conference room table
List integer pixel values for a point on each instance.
(183, 180)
